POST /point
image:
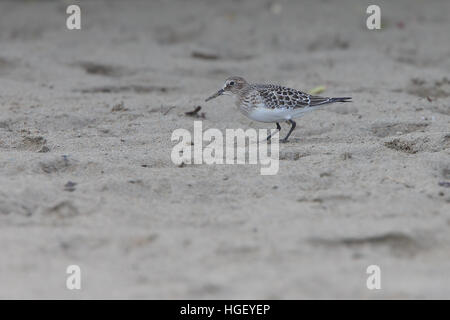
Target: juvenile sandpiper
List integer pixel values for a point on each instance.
(272, 103)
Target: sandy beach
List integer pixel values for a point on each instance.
(86, 176)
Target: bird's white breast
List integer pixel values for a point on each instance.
(264, 114)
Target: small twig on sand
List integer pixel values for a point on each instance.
(194, 113)
(400, 182)
(168, 110)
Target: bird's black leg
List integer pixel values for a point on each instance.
(270, 135)
(292, 122)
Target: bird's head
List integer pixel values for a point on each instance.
(233, 85)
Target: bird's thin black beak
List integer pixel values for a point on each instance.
(215, 95)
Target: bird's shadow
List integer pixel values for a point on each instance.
(291, 140)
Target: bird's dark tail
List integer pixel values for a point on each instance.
(341, 99)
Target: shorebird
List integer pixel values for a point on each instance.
(272, 103)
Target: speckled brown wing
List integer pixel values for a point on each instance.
(281, 97)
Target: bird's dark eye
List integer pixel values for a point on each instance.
(231, 83)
